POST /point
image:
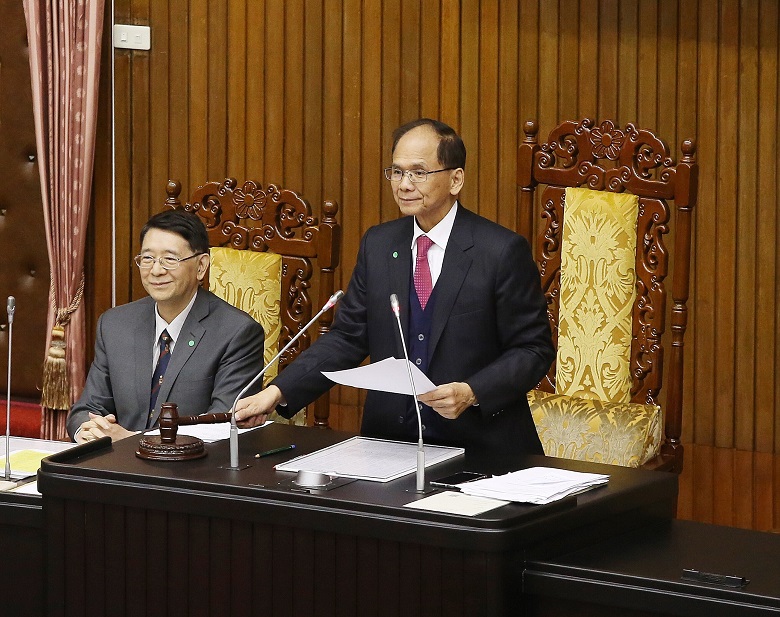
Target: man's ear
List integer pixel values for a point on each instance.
(203, 265)
(456, 181)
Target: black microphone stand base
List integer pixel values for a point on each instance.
(423, 491)
(184, 448)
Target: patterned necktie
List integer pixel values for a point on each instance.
(159, 370)
(423, 283)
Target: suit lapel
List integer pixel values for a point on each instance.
(191, 333)
(142, 352)
(399, 265)
(453, 272)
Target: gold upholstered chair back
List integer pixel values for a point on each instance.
(597, 200)
(271, 258)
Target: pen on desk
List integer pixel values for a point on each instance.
(275, 451)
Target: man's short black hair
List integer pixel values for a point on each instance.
(186, 224)
(451, 151)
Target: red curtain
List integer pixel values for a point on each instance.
(64, 38)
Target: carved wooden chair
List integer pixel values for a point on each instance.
(268, 255)
(599, 197)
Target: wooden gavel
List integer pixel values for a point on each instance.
(170, 421)
(167, 447)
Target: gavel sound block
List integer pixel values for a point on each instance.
(168, 446)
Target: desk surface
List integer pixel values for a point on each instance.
(262, 492)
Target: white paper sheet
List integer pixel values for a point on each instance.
(539, 485)
(456, 503)
(364, 458)
(26, 454)
(28, 488)
(388, 375)
(208, 432)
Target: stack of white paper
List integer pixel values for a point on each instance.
(538, 485)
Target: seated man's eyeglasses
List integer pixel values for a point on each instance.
(394, 174)
(145, 262)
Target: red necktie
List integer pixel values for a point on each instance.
(422, 271)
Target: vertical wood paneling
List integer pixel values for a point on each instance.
(257, 82)
(237, 99)
(312, 105)
(529, 65)
(702, 425)
(608, 59)
(450, 78)
(485, 180)
(216, 89)
(647, 70)
(273, 91)
(767, 253)
(747, 224)
(726, 216)
(547, 85)
(391, 96)
(178, 93)
(159, 101)
(470, 113)
(430, 55)
(293, 95)
(507, 113)
(587, 62)
(197, 87)
(306, 94)
(569, 40)
(628, 36)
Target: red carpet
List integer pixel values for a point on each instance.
(25, 418)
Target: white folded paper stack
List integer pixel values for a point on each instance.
(538, 485)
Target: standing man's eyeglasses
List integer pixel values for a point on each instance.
(415, 175)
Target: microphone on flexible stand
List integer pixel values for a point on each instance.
(8, 483)
(233, 427)
(420, 488)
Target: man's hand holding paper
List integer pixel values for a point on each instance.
(388, 375)
(391, 375)
(450, 400)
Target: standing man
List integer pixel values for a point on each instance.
(180, 344)
(473, 311)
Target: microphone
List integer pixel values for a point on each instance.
(10, 309)
(233, 427)
(420, 446)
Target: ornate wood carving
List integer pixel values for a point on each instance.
(605, 157)
(250, 217)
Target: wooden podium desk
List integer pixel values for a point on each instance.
(127, 536)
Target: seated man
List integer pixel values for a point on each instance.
(180, 344)
(472, 303)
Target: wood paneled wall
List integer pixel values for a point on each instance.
(306, 93)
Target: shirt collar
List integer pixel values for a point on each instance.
(440, 233)
(173, 328)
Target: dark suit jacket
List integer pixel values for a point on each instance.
(219, 350)
(490, 329)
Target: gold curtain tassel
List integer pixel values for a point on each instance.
(55, 393)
